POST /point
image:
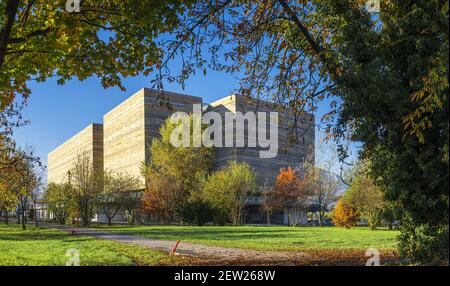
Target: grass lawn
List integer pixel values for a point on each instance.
(48, 247)
(269, 237)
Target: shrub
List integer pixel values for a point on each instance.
(424, 243)
(345, 216)
(194, 211)
(219, 218)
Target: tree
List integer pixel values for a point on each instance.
(162, 196)
(187, 165)
(8, 201)
(173, 174)
(345, 216)
(22, 182)
(323, 186)
(130, 202)
(289, 193)
(16, 165)
(319, 175)
(108, 39)
(228, 190)
(114, 195)
(85, 186)
(268, 203)
(390, 213)
(367, 198)
(59, 199)
(385, 76)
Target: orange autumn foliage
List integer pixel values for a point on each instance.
(287, 191)
(345, 216)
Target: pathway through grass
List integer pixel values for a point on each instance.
(49, 247)
(269, 238)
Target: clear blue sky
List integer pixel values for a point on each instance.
(58, 112)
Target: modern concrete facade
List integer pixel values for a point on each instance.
(289, 154)
(131, 126)
(121, 143)
(87, 142)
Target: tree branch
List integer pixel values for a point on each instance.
(30, 35)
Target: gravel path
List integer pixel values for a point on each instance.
(214, 253)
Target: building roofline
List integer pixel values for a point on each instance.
(73, 136)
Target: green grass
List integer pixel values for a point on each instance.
(39, 246)
(269, 237)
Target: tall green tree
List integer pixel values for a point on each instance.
(367, 198)
(173, 174)
(60, 201)
(228, 190)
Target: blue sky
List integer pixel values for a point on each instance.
(57, 112)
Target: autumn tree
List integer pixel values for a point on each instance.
(290, 193)
(107, 39)
(22, 180)
(8, 201)
(228, 190)
(162, 196)
(13, 160)
(344, 215)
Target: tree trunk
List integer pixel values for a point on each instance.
(390, 226)
(24, 227)
(35, 216)
(6, 217)
(11, 11)
(109, 221)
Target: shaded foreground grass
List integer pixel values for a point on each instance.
(40, 246)
(269, 237)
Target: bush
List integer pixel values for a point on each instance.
(345, 216)
(194, 211)
(219, 218)
(424, 244)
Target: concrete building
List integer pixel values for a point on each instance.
(130, 127)
(88, 141)
(288, 154)
(266, 170)
(121, 144)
